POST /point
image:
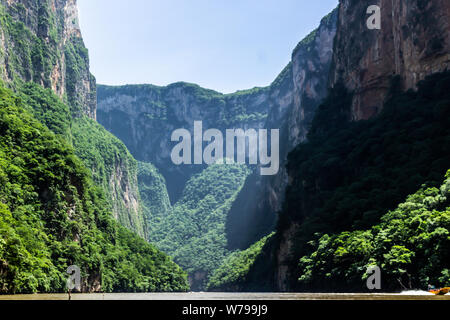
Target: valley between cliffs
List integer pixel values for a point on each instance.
(86, 176)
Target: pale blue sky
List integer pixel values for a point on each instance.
(225, 45)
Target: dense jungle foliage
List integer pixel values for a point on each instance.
(53, 216)
(411, 245)
(112, 167)
(236, 267)
(348, 176)
(193, 231)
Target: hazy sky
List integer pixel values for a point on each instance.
(226, 45)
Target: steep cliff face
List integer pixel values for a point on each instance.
(154, 197)
(293, 99)
(58, 213)
(413, 42)
(114, 169)
(41, 42)
(311, 62)
(144, 117)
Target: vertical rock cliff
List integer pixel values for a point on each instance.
(144, 117)
(293, 99)
(413, 42)
(54, 212)
(41, 41)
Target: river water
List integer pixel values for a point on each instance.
(412, 295)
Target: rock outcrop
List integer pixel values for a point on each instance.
(413, 42)
(41, 41)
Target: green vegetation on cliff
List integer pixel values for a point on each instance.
(347, 176)
(52, 216)
(350, 173)
(37, 46)
(54, 211)
(227, 109)
(232, 273)
(113, 168)
(411, 245)
(154, 197)
(47, 108)
(29, 57)
(193, 231)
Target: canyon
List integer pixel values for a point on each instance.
(338, 106)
